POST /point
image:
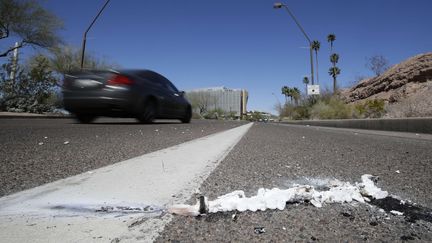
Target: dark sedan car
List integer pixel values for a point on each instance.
(143, 94)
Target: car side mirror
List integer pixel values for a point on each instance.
(182, 93)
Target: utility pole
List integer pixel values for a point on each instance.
(85, 34)
(281, 5)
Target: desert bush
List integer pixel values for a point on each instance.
(369, 109)
(375, 108)
(214, 114)
(331, 109)
(301, 112)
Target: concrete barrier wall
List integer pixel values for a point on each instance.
(415, 125)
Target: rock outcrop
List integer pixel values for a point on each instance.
(399, 82)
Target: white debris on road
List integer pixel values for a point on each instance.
(40, 143)
(394, 212)
(398, 171)
(66, 142)
(368, 188)
(337, 192)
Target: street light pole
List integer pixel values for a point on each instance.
(280, 5)
(85, 33)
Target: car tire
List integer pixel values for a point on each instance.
(149, 112)
(85, 118)
(188, 116)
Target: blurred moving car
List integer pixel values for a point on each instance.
(143, 94)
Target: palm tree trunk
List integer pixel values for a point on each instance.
(316, 54)
(334, 84)
(311, 60)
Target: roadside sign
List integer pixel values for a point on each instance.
(313, 90)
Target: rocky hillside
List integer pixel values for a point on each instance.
(401, 82)
(406, 88)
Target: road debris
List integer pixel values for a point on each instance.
(259, 230)
(394, 212)
(66, 142)
(397, 171)
(336, 192)
(40, 143)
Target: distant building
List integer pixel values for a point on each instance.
(229, 100)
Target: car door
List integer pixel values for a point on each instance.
(176, 104)
(153, 86)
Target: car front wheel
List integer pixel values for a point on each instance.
(85, 118)
(187, 116)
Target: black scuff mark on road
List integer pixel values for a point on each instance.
(411, 212)
(148, 210)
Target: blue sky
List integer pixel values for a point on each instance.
(246, 43)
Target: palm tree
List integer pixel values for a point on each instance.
(334, 58)
(285, 91)
(316, 46)
(306, 82)
(334, 72)
(331, 38)
(290, 93)
(295, 93)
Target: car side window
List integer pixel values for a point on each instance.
(167, 84)
(151, 77)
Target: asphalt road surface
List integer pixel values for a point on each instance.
(38, 151)
(271, 156)
(268, 156)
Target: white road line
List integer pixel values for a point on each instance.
(64, 211)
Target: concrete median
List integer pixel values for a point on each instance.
(414, 125)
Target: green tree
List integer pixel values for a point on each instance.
(334, 58)
(286, 91)
(334, 72)
(316, 46)
(66, 59)
(295, 94)
(33, 88)
(331, 38)
(29, 24)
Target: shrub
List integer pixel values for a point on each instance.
(369, 109)
(375, 108)
(32, 90)
(215, 114)
(332, 109)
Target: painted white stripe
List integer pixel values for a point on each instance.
(56, 212)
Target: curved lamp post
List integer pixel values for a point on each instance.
(85, 33)
(281, 5)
